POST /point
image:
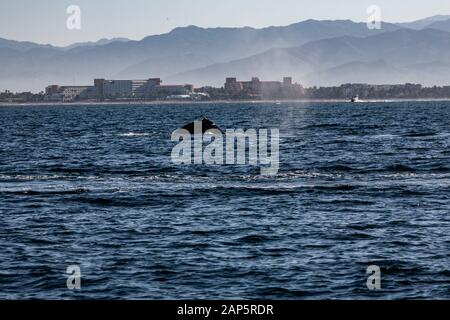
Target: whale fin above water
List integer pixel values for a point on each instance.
(206, 125)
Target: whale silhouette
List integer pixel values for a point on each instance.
(206, 125)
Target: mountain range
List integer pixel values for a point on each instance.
(312, 52)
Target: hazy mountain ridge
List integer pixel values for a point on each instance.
(393, 57)
(163, 55)
(21, 46)
(100, 42)
(440, 25)
(424, 23)
(207, 55)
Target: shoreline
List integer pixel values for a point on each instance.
(230, 102)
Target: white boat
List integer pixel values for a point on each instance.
(355, 99)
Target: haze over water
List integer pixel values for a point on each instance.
(359, 185)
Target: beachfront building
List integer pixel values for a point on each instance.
(116, 89)
(57, 93)
(104, 89)
(126, 89)
(140, 89)
(233, 87)
(164, 91)
(255, 88)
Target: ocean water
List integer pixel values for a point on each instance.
(94, 186)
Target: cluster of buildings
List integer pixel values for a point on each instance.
(256, 88)
(153, 89)
(150, 89)
(20, 97)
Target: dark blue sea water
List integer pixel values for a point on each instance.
(94, 186)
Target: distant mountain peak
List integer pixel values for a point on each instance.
(186, 28)
(424, 23)
(99, 42)
(438, 17)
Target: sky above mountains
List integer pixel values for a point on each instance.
(44, 21)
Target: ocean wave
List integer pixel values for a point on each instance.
(323, 126)
(254, 239)
(419, 134)
(337, 168)
(44, 192)
(133, 134)
(398, 168)
(38, 177)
